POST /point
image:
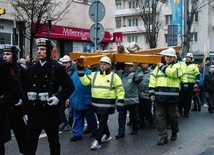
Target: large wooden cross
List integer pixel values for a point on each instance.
(150, 56)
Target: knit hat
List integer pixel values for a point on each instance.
(208, 58)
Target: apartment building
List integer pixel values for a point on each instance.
(70, 34)
(128, 22)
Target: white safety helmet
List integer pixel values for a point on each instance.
(170, 52)
(129, 63)
(189, 55)
(66, 58)
(171, 49)
(106, 59)
(162, 52)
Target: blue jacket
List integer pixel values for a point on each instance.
(81, 97)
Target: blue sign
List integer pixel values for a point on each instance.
(177, 14)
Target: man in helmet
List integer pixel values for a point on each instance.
(67, 124)
(131, 77)
(42, 104)
(193, 78)
(164, 88)
(106, 88)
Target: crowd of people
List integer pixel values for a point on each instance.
(35, 97)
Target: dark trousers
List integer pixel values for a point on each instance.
(2, 149)
(133, 111)
(103, 127)
(70, 116)
(20, 134)
(185, 98)
(166, 113)
(144, 111)
(32, 138)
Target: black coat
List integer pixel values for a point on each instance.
(40, 114)
(16, 112)
(10, 93)
(209, 82)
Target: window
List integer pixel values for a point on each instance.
(133, 5)
(131, 39)
(146, 40)
(118, 6)
(132, 22)
(194, 37)
(118, 23)
(168, 19)
(195, 17)
(166, 38)
(5, 38)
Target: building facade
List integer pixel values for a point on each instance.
(127, 21)
(72, 33)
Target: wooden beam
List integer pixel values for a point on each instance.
(155, 51)
(138, 58)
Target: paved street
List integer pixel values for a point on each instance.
(196, 137)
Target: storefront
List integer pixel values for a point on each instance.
(6, 33)
(71, 39)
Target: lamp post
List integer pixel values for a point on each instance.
(186, 16)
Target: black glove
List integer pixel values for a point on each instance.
(80, 70)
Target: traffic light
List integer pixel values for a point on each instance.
(2, 11)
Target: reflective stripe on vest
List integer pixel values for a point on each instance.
(103, 105)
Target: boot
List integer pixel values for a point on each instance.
(199, 108)
(194, 109)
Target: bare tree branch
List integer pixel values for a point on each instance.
(34, 14)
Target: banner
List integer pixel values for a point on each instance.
(177, 14)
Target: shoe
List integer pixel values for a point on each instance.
(106, 138)
(62, 126)
(134, 132)
(95, 145)
(74, 138)
(120, 135)
(210, 109)
(129, 123)
(199, 108)
(194, 109)
(163, 141)
(174, 136)
(87, 130)
(67, 128)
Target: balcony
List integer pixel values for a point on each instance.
(130, 12)
(131, 30)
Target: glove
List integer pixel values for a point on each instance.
(19, 103)
(80, 70)
(53, 101)
(120, 105)
(25, 118)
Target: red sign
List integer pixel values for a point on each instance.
(118, 37)
(62, 32)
